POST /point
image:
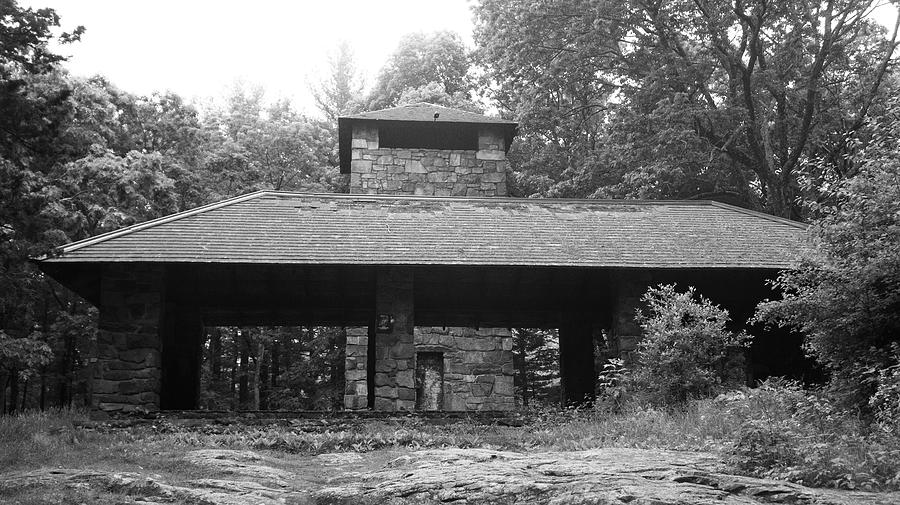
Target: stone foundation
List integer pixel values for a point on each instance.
(356, 390)
(428, 172)
(127, 368)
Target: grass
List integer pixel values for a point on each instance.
(777, 432)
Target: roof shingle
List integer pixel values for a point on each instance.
(272, 227)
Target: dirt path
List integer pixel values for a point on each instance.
(602, 476)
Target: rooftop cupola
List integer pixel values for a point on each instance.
(425, 149)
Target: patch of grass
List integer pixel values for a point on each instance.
(777, 431)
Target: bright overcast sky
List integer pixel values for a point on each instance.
(198, 48)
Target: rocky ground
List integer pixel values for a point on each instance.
(458, 476)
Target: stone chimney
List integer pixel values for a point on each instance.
(427, 150)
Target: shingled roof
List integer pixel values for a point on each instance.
(425, 112)
(296, 228)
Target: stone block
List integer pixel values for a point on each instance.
(492, 177)
(386, 392)
(383, 379)
(385, 365)
(385, 404)
(102, 386)
(503, 385)
(402, 351)
(406, 405)
(487, 379)
(148, 357)
(506, 344)
(415, 167)
(360, 166)
(354, 375)
(406, 378)
(491, 155)
(362, 389)
(406, 394)
(137, 386)
(353, 402)
(359, 144)
(455, 159)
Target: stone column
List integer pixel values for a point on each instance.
(394, 350)
(127, 368)
(576, 361)
(356, 392)
(628, 287)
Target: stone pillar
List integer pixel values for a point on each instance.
(356, 393)
(127, 368)
(628, 287)
(394, 350)
(576, 362)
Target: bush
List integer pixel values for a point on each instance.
(684, 349)
(791, 434)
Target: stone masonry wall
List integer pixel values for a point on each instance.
(395, 366)
(428, 172)
(127, 368)
(478, 366)
(355, 389)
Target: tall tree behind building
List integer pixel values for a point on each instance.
(682, 99)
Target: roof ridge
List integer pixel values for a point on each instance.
(756, 213)
(103, 237)
(498, 199)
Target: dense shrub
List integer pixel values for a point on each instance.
(785, 432)
(684, 347)
(844, 296)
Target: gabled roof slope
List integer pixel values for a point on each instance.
(271, 227)
(425, 112)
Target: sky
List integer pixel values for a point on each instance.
(200, 48)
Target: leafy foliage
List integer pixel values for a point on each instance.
(683, 349)
(680, 99)
(435, 64)
(845, 294)
(788, 433)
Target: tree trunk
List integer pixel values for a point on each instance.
(234, 367)
(215, 354)
(337, 369)
(521, 366)
(24, 395)
(4, 380)
(43, 388)
(257, 372)
(13, 390)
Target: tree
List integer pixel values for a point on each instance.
(684, 347)
(686, 98)
(341, 91)
(254, 146)
(845, 294)
(420, 60)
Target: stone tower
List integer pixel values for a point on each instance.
(425, 150)
(431, 151)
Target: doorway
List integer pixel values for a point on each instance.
(429, 381)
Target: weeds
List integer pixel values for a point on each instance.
(777, 431)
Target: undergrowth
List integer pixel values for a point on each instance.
(777, 430)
